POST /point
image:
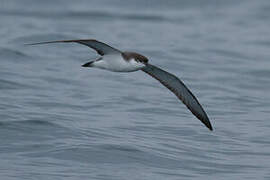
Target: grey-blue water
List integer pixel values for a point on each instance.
(61, 121)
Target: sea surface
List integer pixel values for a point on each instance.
(60, 121)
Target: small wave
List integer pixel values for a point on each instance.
(12, 54)
(27, 123)
(117, 147)
(7, 84)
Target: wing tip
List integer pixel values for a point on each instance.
(207, 123)
(61, 41)
(210, 127)
(40, 43)
(32, 44)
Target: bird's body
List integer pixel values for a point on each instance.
(115, 60)
(116, 63)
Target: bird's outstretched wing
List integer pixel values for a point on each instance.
(180, 90)
(100, 47)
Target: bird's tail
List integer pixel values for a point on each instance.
(90, 63)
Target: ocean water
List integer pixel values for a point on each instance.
(61, 121)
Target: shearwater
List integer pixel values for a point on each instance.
(115, 60)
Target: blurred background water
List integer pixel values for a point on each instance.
(62, 121)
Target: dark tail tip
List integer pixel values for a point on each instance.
(89, 64)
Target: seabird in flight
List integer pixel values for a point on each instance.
(115, 60)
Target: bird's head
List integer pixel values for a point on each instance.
(128, 56)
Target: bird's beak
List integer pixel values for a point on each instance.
(88, 64)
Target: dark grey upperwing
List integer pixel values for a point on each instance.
(100, 47)
(180, 90)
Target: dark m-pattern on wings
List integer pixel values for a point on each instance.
(168, 80)
(180, 90)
